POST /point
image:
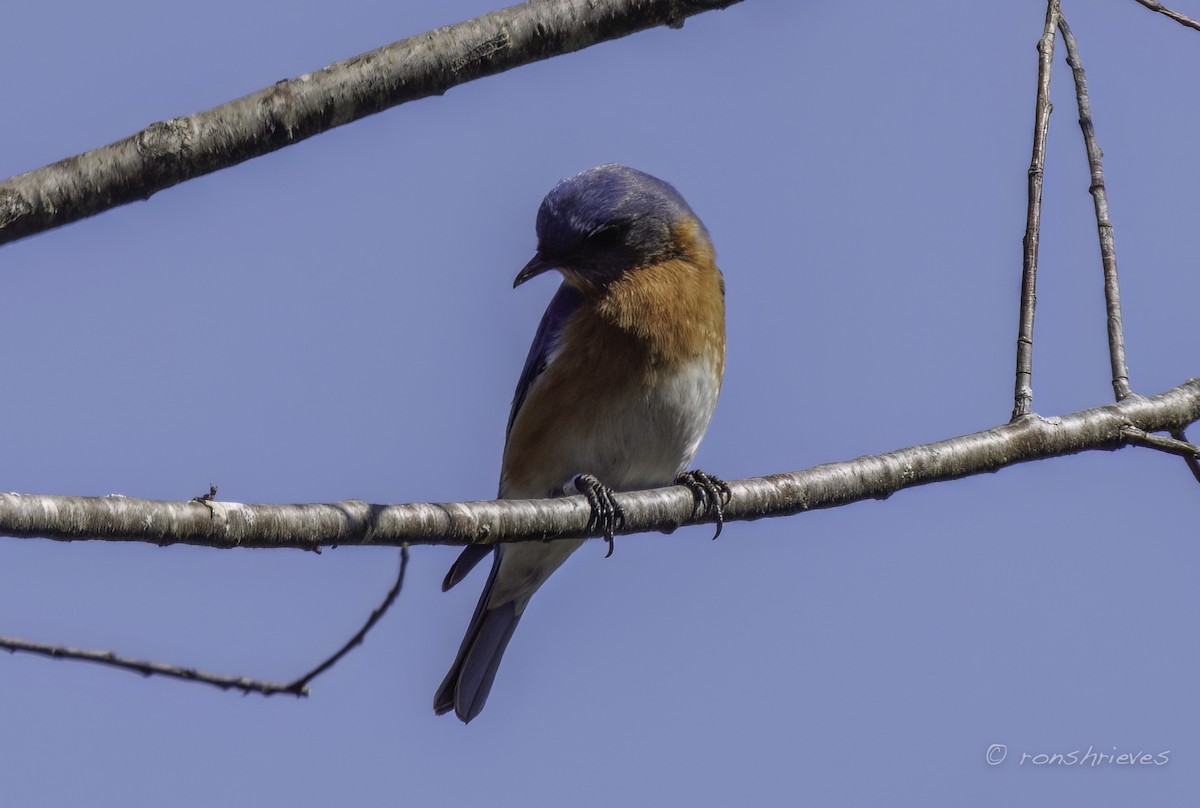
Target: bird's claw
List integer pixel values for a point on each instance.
(710, 492)
(607, 514)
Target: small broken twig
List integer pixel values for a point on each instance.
(209, 497)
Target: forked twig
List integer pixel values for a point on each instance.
(242, 683)
(1108, 249)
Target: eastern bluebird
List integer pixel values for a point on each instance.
(618, 388)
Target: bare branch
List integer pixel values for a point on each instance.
(1108, 247)
(300, 686)
(1023, 393)
(169, 152)
(232, 524)
(150, 668)
(1182, 19)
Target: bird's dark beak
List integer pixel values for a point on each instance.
(536, 266)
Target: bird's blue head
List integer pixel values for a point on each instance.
(606, 220)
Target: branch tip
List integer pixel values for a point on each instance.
(1182, 19)
(146, 668)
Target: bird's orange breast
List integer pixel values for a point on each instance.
(632, 384)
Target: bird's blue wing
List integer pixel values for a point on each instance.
(562, 305)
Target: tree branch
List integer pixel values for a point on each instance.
(1023, 392)
(1108, 247)
(231, 524)
(1182, 19)
(169, 152)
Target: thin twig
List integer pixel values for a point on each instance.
(1108, 248)
(1023, 393)
(301, 684)
(242, 683)
(146, 668)
(1193, 462)
(1175, 446)
(1182, 19)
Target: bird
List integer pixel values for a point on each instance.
(616, 393)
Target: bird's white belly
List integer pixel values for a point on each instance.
(641, 441)
(644, 441)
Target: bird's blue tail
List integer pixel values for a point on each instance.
(465, 688)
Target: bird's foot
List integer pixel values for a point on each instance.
(607, 515)
(711, 494)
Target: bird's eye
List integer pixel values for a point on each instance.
(608, 236)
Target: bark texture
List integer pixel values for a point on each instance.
(232, 524)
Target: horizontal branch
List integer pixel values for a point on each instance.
(169, 152)
(231, 524)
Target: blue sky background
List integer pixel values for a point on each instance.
(336, 320)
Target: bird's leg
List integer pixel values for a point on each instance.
(711, 494)
(607, 515)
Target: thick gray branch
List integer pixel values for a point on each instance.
(169, 152)
(229, 524)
